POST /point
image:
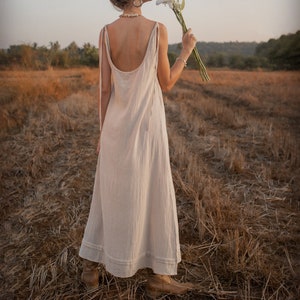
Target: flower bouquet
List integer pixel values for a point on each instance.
(177, 8)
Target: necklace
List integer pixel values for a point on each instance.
(130, 15)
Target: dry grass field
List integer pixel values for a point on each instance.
(234, 146)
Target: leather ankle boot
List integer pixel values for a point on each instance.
(90, 274)
(163, 284)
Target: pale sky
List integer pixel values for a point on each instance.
(42, 21)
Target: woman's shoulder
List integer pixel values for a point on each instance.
(108, 26)
(161, 25)
(163, 32)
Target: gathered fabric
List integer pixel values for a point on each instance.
(133, 221)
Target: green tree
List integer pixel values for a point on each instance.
(251, 62)
(236, 61)
(21, 55)
(282, 53)
(43, 58)
(73, 54)
(4, 61)
(220, 60)
(172, 58)
(216, 60)
(89, 55)
(54, 54)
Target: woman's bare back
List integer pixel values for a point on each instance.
(128, 38)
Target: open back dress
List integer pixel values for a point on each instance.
(133, 222)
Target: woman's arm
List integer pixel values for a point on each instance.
(104, 90)
(104, 80)
(168, 76)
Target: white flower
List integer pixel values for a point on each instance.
(169, 2)
(177, 6)
(172, 3)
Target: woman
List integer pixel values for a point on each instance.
(133, 219)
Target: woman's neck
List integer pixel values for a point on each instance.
(132, 10)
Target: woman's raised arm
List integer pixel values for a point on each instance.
(168, 76)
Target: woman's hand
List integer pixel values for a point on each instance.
(188, 42)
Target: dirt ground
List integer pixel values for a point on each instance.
(234, 148)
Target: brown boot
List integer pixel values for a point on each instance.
(90, 274)
(163, 284)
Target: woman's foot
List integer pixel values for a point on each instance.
(164, 284)
(90, 274)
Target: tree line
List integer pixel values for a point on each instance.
(281, 53)
(40, 57)
(276, 54)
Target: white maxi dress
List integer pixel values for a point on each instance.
(133, 222)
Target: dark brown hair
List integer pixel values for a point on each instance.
(120, 3)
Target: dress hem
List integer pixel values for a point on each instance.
(125, 269)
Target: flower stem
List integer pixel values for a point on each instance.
(202, 69)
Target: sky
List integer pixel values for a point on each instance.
(45, 21)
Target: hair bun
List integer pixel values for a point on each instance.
(121, 4)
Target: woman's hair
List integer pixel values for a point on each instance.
(121, 4)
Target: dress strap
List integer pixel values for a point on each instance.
(106, 41)
(157, 44)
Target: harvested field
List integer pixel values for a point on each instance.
(234, 146)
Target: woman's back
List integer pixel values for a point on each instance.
(128, 38)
